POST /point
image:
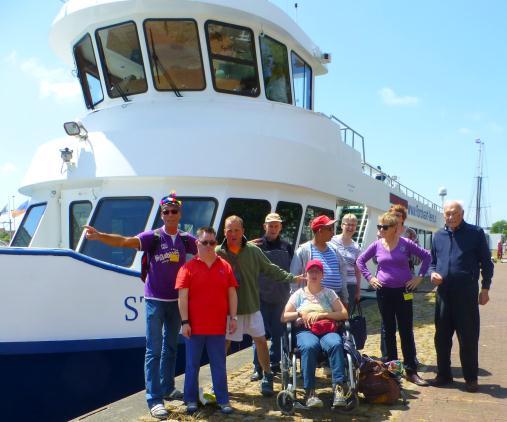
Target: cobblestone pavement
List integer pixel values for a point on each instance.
(424, 403)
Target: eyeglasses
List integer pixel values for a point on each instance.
(208, 242)
(165, 212)
(384, 226)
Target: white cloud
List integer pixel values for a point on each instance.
(7, 168)
(464, 131)
(390, 98)
(495, 128)
(56, 83)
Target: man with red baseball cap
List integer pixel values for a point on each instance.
(322, 249)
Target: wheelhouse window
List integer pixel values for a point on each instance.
(124, 216)
(88, 72)
(195, 213)
(302, 77)
(232, 56)
(275, 69)
(311, 213)
(29, 225)
(252, 211)
(79, 211)
(291, 214)
(122, 60)
(175, 54)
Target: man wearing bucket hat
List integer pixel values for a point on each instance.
(321, 248)
(167, 248)
(273, 296)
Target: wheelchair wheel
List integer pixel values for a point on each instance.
(285, 401)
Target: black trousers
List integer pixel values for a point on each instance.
(457, 310)
(395, 310)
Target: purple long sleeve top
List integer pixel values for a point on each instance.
(393, 269)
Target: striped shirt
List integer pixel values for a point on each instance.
(332, 275)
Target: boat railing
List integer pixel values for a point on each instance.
(353, 138)
(394, 184)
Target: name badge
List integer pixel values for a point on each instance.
(174, 256)
(408, 296)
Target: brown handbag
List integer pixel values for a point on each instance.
(378, 385)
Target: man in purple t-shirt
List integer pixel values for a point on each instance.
(167, 248)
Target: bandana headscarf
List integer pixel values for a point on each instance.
(170, 200)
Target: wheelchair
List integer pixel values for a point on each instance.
(287, 399)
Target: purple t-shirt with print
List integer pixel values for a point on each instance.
(168, 258)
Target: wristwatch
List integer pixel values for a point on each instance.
(185, 321)
(235, 317)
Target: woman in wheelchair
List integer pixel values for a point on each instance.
(316, 310)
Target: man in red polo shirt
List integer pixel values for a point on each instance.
(207, 294)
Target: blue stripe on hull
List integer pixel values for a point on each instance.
(41, 347)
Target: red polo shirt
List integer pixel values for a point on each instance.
(208, 300)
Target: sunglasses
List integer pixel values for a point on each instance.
(165, 212)
(208, 242)
(383, 226)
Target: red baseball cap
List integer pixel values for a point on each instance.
(321, 221)
(314, 263)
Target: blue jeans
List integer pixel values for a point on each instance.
(271, 314)
(311, 346)
(215, 346)
(163, 325)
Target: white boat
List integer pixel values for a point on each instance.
(212, 98)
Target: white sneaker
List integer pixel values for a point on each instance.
(313, 401)
(159, 411)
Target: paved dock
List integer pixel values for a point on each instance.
(425, 403)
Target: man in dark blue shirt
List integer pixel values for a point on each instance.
(459, 252)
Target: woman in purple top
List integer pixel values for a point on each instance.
(394, 284)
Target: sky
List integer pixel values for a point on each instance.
(421, 81)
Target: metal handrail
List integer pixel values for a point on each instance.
(349, 136)
(393, 183)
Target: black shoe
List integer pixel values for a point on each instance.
(256, 376)
(276, 369)
(414, 378)
(267, 385)
(472, 386)
(441, 381)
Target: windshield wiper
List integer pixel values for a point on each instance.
(120, 91)
(157, 63)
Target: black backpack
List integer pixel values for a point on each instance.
(146, 258)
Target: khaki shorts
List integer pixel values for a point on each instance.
(251, 324)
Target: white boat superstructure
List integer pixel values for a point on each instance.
(212, 98)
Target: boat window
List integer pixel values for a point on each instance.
(232, 55)
(124, 216)
(122, 60)
(29, 225)
(79, 211)
(195, 213)
(252, 211)
(311, 213)
(302, 79)
(88, 72)
(175, 54)
(291, 214)
(275, 69)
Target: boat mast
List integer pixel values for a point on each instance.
(479, 185)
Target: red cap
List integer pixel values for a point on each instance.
(314, 263)
(321, 221)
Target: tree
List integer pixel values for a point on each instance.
(499, 227)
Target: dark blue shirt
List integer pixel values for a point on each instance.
(460, 255)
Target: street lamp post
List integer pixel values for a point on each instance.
(442, 192)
